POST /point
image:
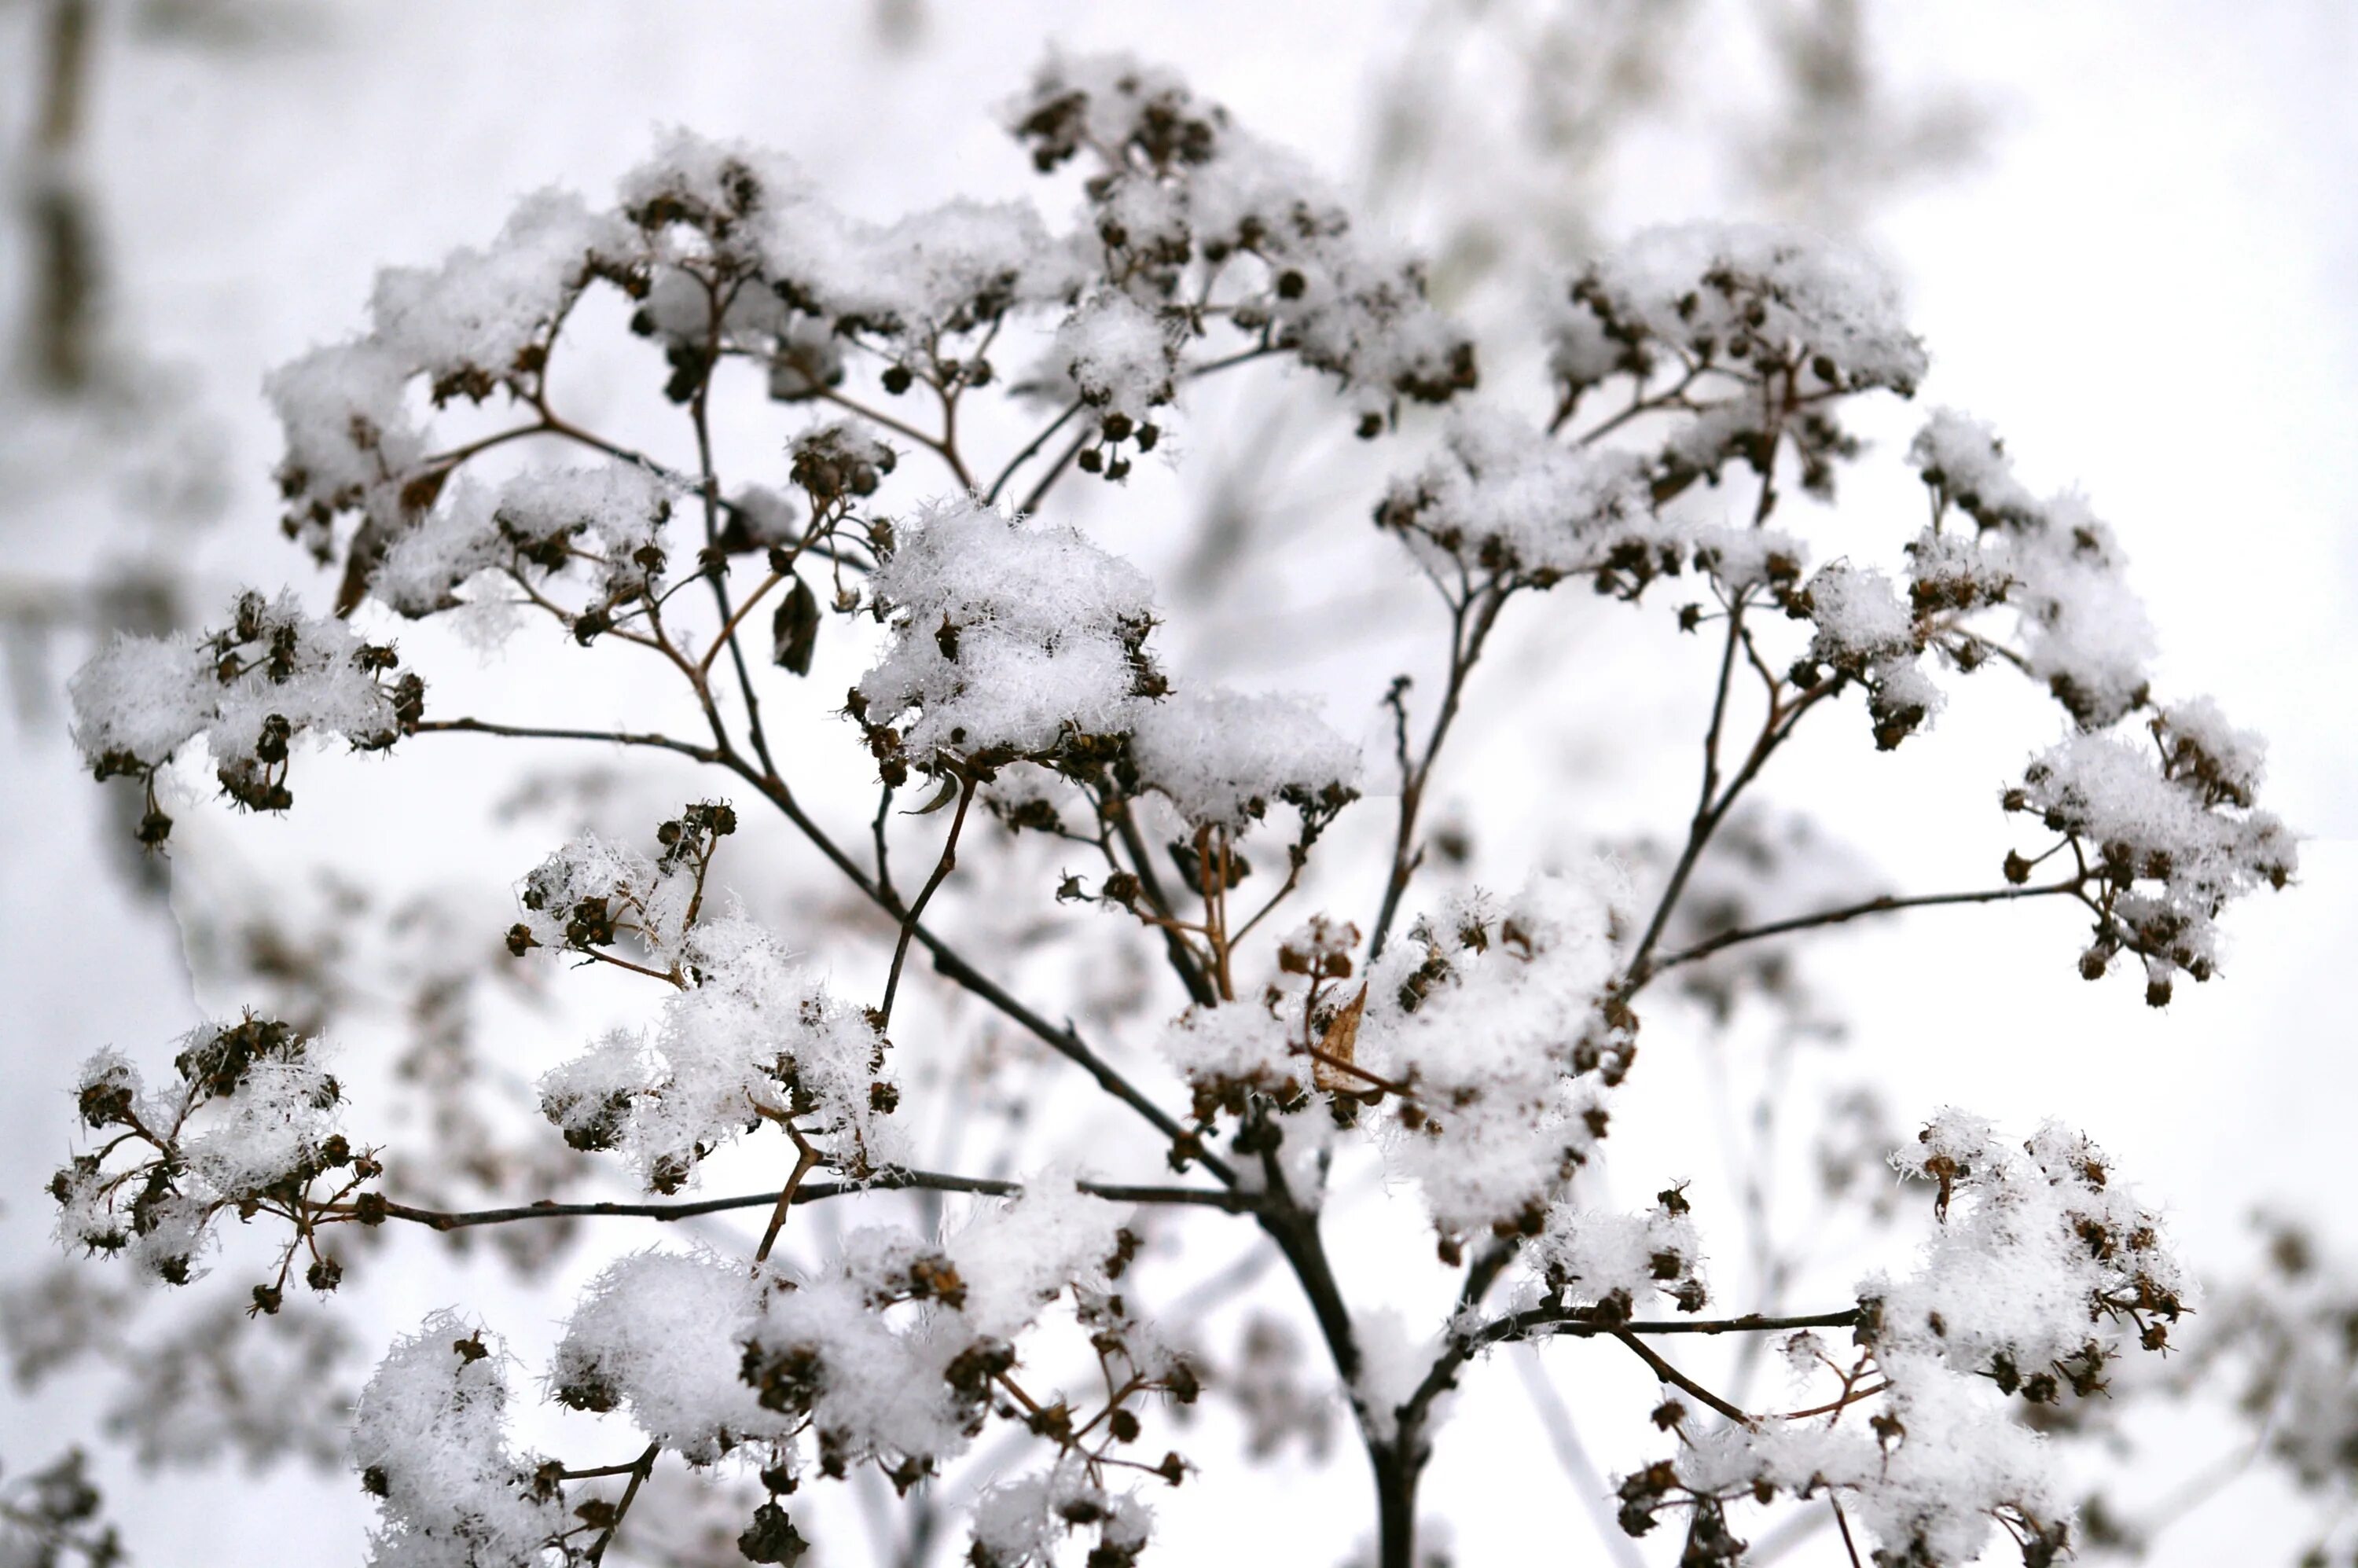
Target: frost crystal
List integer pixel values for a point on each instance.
(591, 894)
(891, 1354)
(1118, 357)
(2040, 1266)
(1017, 1524)
(705, 209)
(2040, 1256)
(1753, 332)
(1240, 1046)
(350, 440)
(1747, 294)
(484, 316)
(1608, 1263)
(251, 1117)
(1015, 1256)
(661, 1333)
(2085, 633)
(1471, 1055)
(1864, 632)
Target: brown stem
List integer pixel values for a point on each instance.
(1678, 1379)
(1676, 397)
(1833, 1407)
(729, 628)
(1066, 1042)
(596, 1471)
(805, 1158)
(1184, 961)
(1396, 1463)
(669, 976)
(1031, 450)
(937, 445)
(1774, 728)
(1852, 911)
(1242, 356)
(942, 869)
(1707, 817)
(1841, 1522)
(884, 849)
(1552, 1321)
(1466, 639)
(639, 1474)
(708, 490)
(809, 1192)
(1031, 502)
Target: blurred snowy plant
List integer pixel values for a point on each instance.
(56, 1515)
(2279, 1338)
(1466, 1046)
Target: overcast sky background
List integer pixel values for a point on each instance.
(2145, 277)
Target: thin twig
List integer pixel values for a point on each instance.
(639, 1474)
(942, 869)
(1843, 1523)
(1031, 502)
(810, 1192)
(536, 732)
(933, 444)
(1471, 622)
(1852, 911)
(805, 1158)
(1066, 1042)
(1555, 1321)
(1031, 450)
(1706, 811)
(708, 490)
(1678, 1379)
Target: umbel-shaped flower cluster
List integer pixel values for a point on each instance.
(248, 1125)
(2039, 1268)
(1469, 1045)
(746, 1038)
(273, 675)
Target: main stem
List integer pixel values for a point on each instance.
(1396, 1463)
(1398, 1470)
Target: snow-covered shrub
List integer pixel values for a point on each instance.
(1468, 1046)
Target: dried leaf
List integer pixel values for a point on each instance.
(945, 793)
(793, 631)
(1339, 1048)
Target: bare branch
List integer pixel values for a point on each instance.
(1879, 905)
(808, 1193)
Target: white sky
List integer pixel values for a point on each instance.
(2146, 282)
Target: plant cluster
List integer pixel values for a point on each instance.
(1472, 1044)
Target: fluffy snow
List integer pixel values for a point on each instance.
(1010, 637)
